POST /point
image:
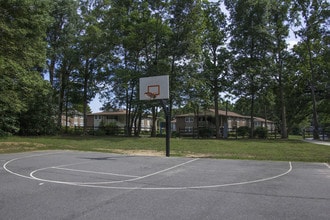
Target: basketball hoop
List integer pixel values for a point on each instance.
(152, 91)
(155, 87)
(151, 95)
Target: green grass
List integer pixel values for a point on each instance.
(280, 150)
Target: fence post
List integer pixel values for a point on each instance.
(303, 133)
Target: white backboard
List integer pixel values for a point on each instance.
(155, 87)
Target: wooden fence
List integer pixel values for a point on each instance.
(108, 131)
(324, 133)
(211, 133)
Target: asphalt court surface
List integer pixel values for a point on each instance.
(89, 185)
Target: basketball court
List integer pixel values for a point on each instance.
(89, 185)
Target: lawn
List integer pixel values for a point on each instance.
(279, 150)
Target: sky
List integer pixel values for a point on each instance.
(95, 105)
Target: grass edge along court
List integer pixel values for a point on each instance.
(293, 149)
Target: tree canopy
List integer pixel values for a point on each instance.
(57, 55)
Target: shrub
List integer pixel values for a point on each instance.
(111, 129)
(205, 132)
(175, 134)
(243, 131)
(99, 132)
(4, 133)
(261, 132)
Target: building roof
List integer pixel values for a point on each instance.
(229, 113)
(119, 112)
(186, 115)
(211, 112)
(262, 119)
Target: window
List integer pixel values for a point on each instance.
(189, 119)
(188, 129)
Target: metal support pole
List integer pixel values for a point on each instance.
(168, 126)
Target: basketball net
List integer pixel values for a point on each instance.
(151, 95)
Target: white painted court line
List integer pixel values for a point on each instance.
(327, 165)
(94, 172)
(70, 164)
(142, 177)
(161, 171)
(196, 187)
(29, 156)
(32, 174)
(95, 185)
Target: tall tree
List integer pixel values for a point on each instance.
(22, 55)
(142, 34)
(185, 21)
(130, 21)
(60, 32)
(93, 50)
(298, 108)
(279, 23)
(250, 40)
(61, 49)
(216, 56)
(312, 19)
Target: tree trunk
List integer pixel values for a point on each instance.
(266, 117)
(252, 117)
(85, 101)
(216, 96)
(52, 71)
(216, 113)
(60, 102)
(284, 129)
(128, 125)
(316, 135)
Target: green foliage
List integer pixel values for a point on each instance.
(312, 19)
(23, 24)
(100, 132)
(108, 45)
(39, 117)
(22, 55)
(205, 132)
(216, 57)
(243, 131)
(9, 125)
(261, 132)
(175, 134)
(109, 129)
(251, 41)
